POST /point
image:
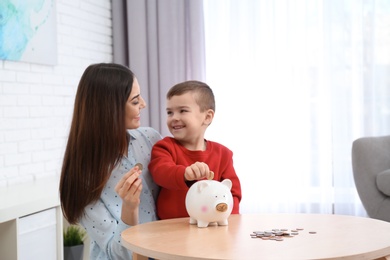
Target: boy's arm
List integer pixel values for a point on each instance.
(230, 173)
(164, 168)
(236, 189)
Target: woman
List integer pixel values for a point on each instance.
(100, 186)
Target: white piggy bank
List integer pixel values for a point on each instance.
(209, 201)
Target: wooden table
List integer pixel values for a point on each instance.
(337, 236)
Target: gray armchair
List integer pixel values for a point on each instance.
(371, 171)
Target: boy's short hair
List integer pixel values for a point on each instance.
(204, 95)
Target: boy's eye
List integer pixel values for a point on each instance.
(183, 110)
(169, 113)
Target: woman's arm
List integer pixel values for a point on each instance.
(104, 231)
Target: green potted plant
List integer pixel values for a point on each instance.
(74, 242)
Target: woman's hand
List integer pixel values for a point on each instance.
(129, 189)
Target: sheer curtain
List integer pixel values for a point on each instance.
(295, 83)
(163, 43)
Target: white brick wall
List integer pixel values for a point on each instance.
(36, 101)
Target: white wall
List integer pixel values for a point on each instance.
(36, 101)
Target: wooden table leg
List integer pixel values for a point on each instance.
(139, 257)
(384, 258)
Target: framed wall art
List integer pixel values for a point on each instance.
(28, 31)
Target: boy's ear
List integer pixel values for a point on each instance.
(209, 117)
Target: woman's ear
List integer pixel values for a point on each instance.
(209, 117)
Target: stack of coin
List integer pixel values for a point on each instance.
(277, 234)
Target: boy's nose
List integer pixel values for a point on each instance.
(175, 116)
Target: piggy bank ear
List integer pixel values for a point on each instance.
(201, 186)
(227, 183)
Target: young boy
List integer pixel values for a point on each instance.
(179, 161)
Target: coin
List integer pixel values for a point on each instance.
(276, 234)
(211, 175)
(140, 166)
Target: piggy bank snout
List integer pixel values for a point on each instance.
(221, 207)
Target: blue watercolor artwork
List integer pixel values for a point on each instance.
(28, 31)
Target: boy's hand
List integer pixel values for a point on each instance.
(197, 171)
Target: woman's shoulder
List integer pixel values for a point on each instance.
(147, 133)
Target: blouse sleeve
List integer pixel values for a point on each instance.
(104, 230)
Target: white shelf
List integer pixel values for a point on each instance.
(27, 198)
(23, 207)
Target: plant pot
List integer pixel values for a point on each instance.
(73, 252)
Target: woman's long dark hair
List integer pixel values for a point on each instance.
(97, 138)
